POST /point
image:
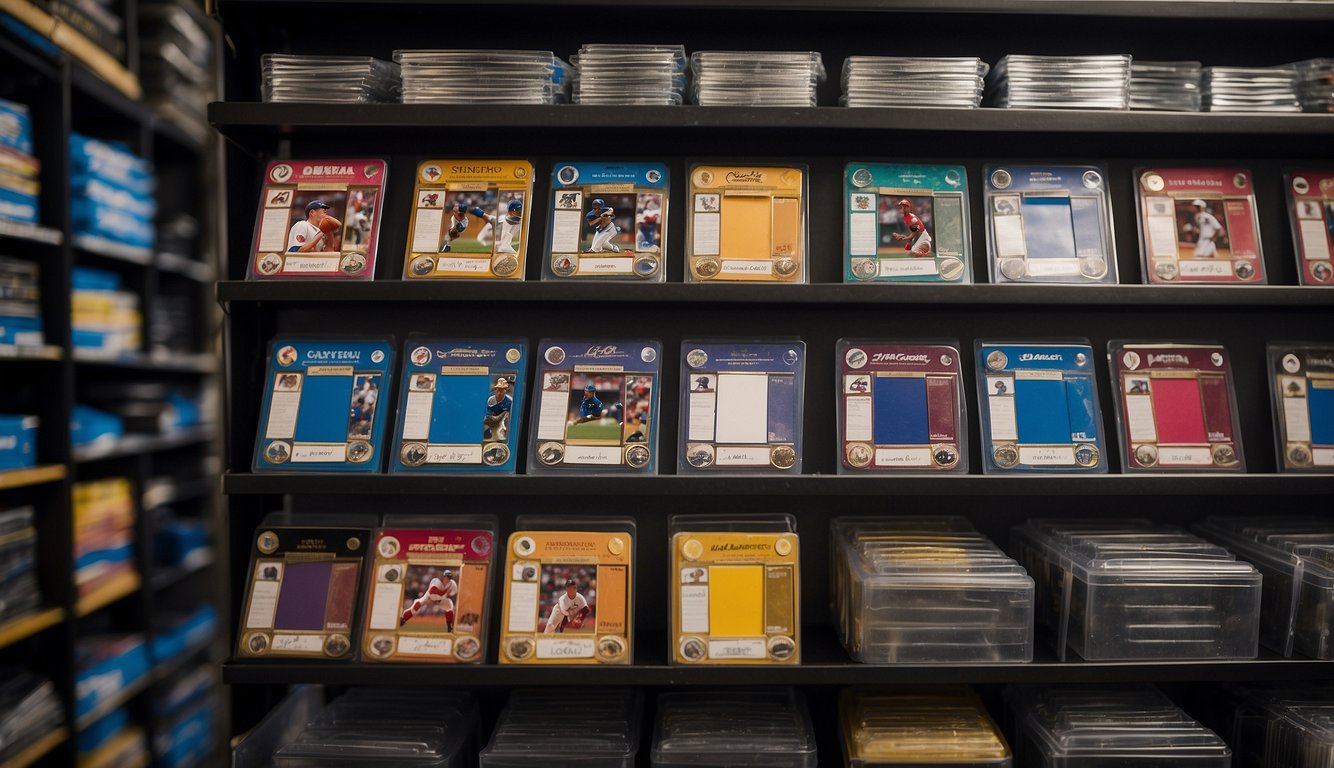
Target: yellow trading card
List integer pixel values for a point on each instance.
(469, 219)
(747, 224)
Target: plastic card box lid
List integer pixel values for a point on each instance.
(739, 727)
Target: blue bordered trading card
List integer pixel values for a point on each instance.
(900, 407)
(1039, 407)
(1049, 224)
(906, 223)
(461, 405)
(1302, 377)
(608, 222)
(596, 406)
(323, 405)
(741, 405)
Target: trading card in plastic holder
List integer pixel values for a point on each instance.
(469, 219)
(1049, 224)
(735, 596)
(301, 594)
(429, 588)
(596, 406)
(1199, 225)
(318, 218)
(1302, 378)
(608, 222)
(461, 407)
(1038, 406)
(906, 223)
(1311, 210)
(900, 407)
(568, 593)
(321, 409)
(746, 223)
(1176, 407)
(741, 406)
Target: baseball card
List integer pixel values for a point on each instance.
(1311, 211)
(906, 223)
(568, 592)
(1049, 224)
(1198, 225)
(608, 222)
(1302, 378)
(429, 588)
(460, 406)
(321, 405)
(735, 593)
(596, 407)
(741, 406)
(900, 407)
(746, 223)
(301, 592)
(1039, 407)
(318, 218)
(469, 219)
(1176, 407)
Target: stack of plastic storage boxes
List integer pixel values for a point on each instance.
(770, 728)
(1132, 590)
(1273, 724)
(387, 728)
(595, 728)
(922, 729)
(928, 590)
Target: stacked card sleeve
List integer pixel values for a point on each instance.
(103, 532)
(1251, 89)
(756, 79)
(1132, 590)
(29, 710)
(734, 727)
(928, 590)
(20, 304)
(892, 81)
(1107, 727)
(1272, 724)
(558, 728)
(1170, 86)
(19, 169)
(1295, 555)
(19, 591)
(106, 319)
(328, 79)
(112, 194)
(388, 728)
(1315, 84)
(174, 68)
(630, 74)
(1070, 82)
(923, 728)
(483, 77)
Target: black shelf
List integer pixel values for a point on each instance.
(135, 445)
(165, 576)
(184, 362)
(185, 266)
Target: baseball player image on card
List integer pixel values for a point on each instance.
(469, 219)
(608, 221)
(746, 223)
(567, 592)
(318, 218)
(429, 591)
(1199, 225)
(906, 223)
(1311, 211)
(1049, 224)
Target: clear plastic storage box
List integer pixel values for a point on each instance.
(919, 729)
(593, 728)
(1272, 724)
(734, 728)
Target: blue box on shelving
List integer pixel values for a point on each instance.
(107, 664)
(88, 425)
(21, 331)
(18, 441)
(16, 206)
(189, 739)
(103, 730)
(177, 539)
(190, 632)
(15, 126)
(111, 162)
(93, 218)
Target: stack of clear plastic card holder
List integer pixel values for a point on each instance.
(1251, 89)
(1070, 82)
(483, 77)
(767, 727)
(556, 728)
(906, 81)
(919, 728)
(1282, 724)
(756, 79)
(928, 590)
(328, 79)
(1315, 84)
(1166, 86)
(648, 75)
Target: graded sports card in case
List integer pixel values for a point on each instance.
(906, 223)
(1049, 224)
(900, 407)
(1198, 225)
(461, 405)
(569, 591)
(1176, 407)
(1302, 382)
(469, 219)
(1038, 406)
(318, 218)
(746, 223)
(596, 406)
(608, 222)
(741, 406)
(301, 592)
(429, 593)
(736, 590)
(321, 405)
(1311, 210)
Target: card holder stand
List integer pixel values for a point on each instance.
(928, 591)
(942, 727)
(734, 727)
(391, 728)
(598, 728)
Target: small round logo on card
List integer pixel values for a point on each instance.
(855, 358)
(861, 178)
(421, 356)
(555, 355)
(648, 354)
(568, 174)
(790, 357)
(1153, 182)
(281, 173)
(287, 355)
(1300, 185)
(1240, 181)
(1291, 363)
(431, 172)
(996, 360)
(377, 356)
(1081, 359)
(388, 547)
(1000, 178)
(653, 176)
(1217, 359)
(696, 358)
(512, 355)
(1092, 179)
(1131, 359)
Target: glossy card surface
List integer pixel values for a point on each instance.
(469, 220)
(1198, 225)
(607, 221)
(1049, 224)
(1311, 211)
(926, 240)
(1303, 387)
(746, 223)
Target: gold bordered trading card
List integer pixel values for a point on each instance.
(469, 219)
(746, 223)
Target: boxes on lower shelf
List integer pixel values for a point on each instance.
(1272, 724)
(760, 727)
(563, 720)
(19, 169)
(178, 541)
(30, 709)
(392, 728)
(90, 428)
(18, 441)
(19, 591)
(1131, 590)
(182, 634)
(20, 304)
(106, 665)
(106, 319)
(927, 728)
(928, 590)
(103, 532)
(187, 738)
(111, 192)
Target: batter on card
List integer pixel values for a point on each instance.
(607, 221)
(469, 219)
(1199, 225)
